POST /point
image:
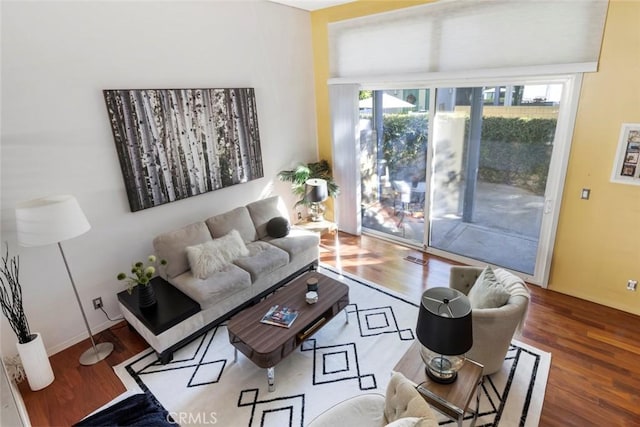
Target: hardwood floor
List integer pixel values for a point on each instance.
(595, 362)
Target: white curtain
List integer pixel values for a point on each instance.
(454, 36)
(346, 155)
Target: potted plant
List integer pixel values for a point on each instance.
(299, 176)
(33, 355)
(142, 275)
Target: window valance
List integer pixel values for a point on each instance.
(452, 36)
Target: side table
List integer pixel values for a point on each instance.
(321, 227)
(172, 308)
(450, 399)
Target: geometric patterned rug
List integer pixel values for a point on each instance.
(203, 385)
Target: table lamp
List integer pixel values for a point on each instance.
(316, 193)
(445, 331)
(51, 220)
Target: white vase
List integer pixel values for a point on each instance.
(36, 363)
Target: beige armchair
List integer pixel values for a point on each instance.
(402, 406)
(493, 328)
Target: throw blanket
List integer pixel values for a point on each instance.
(140, 410)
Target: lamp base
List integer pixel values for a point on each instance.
(317, 211)
(440, 368)
(90, 357)
(440, 379)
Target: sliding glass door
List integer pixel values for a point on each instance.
(472, 173)
(492, 149)
(393, 150)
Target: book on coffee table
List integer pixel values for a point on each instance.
(280, 316)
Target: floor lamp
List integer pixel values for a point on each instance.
(52, 220)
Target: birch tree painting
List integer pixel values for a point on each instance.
(177, 143)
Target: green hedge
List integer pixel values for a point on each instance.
(514, 151)
(405, 144)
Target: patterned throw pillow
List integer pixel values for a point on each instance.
(487, 291)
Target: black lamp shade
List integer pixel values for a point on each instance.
(444, 322)
(316, 190)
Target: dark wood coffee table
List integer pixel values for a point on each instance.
(266, 345)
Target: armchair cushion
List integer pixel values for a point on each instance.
(410, 422)
(488, 292)
(403, 400)
(402, 406)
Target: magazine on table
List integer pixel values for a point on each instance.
(280, 316)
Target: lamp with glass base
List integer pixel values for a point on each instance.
(316, 193)
(445, 331)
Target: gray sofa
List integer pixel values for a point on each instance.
(270, 263)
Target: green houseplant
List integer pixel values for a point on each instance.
(298, 176)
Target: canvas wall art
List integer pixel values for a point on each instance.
(177, 143)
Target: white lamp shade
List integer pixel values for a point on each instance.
(50, 220)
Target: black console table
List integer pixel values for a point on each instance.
(172, 308)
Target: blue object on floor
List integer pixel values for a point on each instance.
(139, 410)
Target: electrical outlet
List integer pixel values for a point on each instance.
(586, 192)
(632, 285)
(97, 303)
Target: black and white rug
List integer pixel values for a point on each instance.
(203, 385)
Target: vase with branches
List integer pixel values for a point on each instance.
(11, 297)
(33, 360)
(303, 172)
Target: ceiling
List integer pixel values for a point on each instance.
(311, 4)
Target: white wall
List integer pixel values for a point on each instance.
(57, 57)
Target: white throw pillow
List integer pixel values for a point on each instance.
(487, 291)
(212, 256)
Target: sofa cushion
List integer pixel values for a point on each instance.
(209, 257)
(278, 227)
(220, 285)
(236, 219)
(487, 291)
(297, 241)
(172, 245)
(263, 259)
(263, 210)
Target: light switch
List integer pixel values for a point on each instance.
(585, 193)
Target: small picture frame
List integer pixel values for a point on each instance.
(626, 168)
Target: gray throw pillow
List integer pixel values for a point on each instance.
(278, 227)
(487, 291)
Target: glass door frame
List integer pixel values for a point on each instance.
(557, 168)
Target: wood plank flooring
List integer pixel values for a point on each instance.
(595, 362)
